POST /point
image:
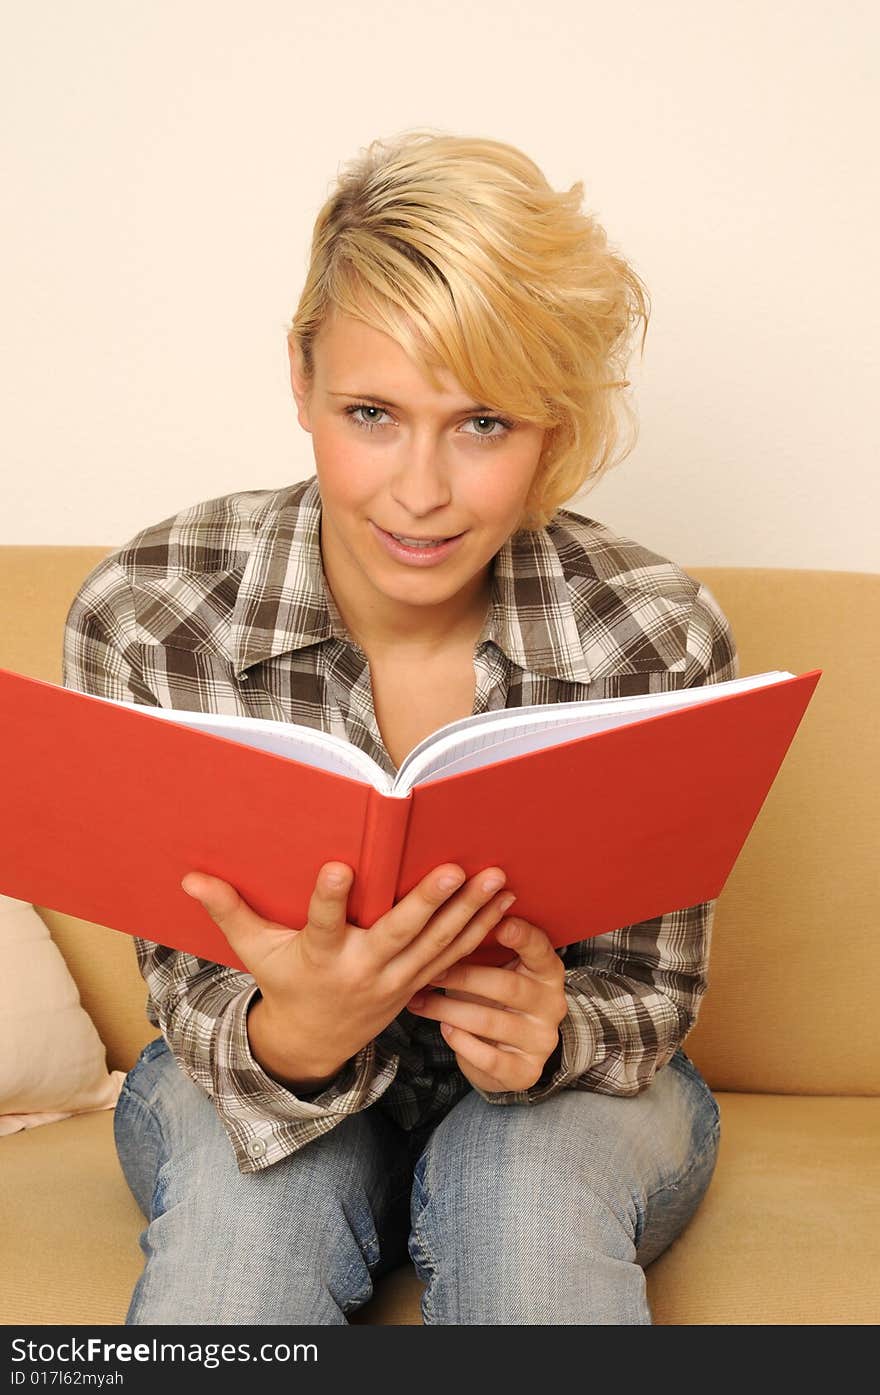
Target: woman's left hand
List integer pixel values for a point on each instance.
(502, 1023)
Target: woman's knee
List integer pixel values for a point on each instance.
(579, 1167)
(221, 1240)
(522, 1235)
(535, 1213)
(161, 1117)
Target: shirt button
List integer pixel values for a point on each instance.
(257, 1147)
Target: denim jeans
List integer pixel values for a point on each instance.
(511, 1214)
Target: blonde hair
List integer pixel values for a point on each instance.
(460, 250)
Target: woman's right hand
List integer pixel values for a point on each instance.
(331, 987)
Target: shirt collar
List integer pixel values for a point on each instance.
(284, 602)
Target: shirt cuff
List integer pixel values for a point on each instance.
(265, 1120)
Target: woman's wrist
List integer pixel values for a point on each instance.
(286, 1065)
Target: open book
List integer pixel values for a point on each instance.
(602, 813)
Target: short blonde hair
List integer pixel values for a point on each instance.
(459, 249)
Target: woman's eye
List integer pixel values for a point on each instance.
(364, 407)
(370, 425)
(495, 421)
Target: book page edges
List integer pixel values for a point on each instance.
(298, 741)
(510, 729)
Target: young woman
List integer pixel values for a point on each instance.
(531, 1135)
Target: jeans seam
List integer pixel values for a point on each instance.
(709, 1141)
(133, 1097)
(424, 1251)
(142, 1104)
(685, 1066)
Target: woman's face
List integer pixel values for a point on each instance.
(430, 466)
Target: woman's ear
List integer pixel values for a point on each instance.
(300, 384)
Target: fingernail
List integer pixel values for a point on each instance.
(450, 880)
(336, 878)
(417, 1000)
(506, 903)
(185, 888)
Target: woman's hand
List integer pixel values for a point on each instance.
(502, 1038)
(330, 987)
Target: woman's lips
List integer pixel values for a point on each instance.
(416, 556)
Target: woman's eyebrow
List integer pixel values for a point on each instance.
(384, 402)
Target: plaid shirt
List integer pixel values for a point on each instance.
(224, 607)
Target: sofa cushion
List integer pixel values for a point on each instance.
(789, 1230)
(67, 1216)
(788, 1233)
(113, 992)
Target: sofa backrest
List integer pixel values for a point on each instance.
(791, 1005)
(37, 585)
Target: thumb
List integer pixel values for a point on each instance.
(218, 897)
(248, 933)
(328, 907)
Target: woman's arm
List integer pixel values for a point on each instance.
(200, 1007)
(634, 993)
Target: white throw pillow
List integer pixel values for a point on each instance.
(52, 1062)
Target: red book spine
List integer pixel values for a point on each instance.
(378, 866)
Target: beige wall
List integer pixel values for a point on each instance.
(163, 163)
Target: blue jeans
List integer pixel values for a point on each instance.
(511, 1214)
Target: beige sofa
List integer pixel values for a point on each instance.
(788, 1038)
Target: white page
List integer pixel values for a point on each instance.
(490, 737)
(316, 748)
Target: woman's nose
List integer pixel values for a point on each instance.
(422, 483)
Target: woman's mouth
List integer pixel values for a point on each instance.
(419, 552)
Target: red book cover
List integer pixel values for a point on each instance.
(105, 809)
